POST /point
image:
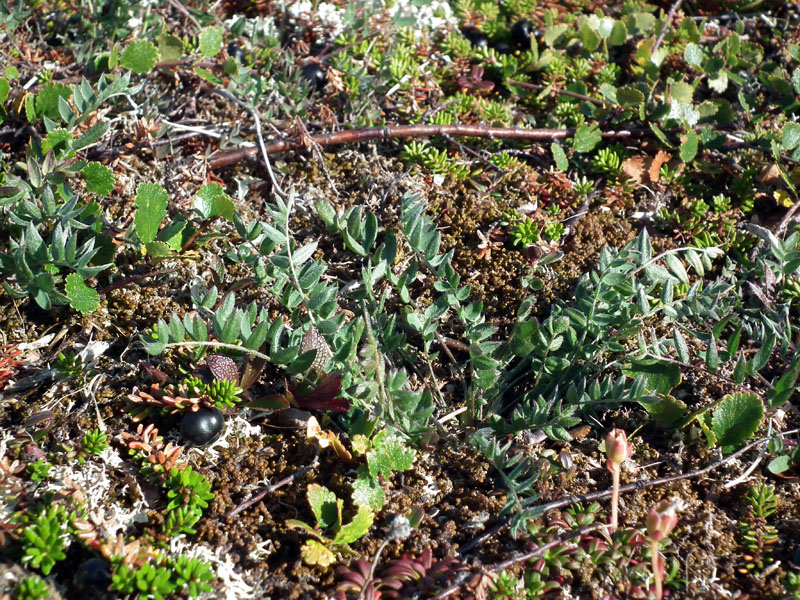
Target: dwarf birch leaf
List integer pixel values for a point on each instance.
(212, 201)
(55, 138)
(139, 56)
(210, 41)
(587, 137)
(790, 136)
(689, 147)
(323, 505)
(693, 55)
(562, 164)
(736, 419)
(99, 178)
(367, 491)
(171, 47)
(157, 249)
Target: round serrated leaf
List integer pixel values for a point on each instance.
(210, 41)
(140, 56)
(559, 156)
(587, 137)
(790, 136)
(171, 47)
(629, 97)
(55, 138)
(99, 178)
(212, 201)
(737, 418)
(689, 147)
(367, 490)
(81, 297)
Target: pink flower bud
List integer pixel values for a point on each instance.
(662, 518)
(617, 449)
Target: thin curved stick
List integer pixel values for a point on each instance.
(223, 159)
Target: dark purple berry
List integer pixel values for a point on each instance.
(235, 51)
(521, 35)
(477, 38)
(94, 575)
(202, 427)
(314, 76)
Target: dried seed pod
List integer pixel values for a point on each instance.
(223, 367)
(313, 340)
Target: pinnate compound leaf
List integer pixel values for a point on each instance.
(81, 297)
(151, 208)
(99, 178)
(140, 56)
(736, 419)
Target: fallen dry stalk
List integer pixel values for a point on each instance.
(387, 132)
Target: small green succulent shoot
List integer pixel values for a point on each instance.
(327, 509)
(524, 232)
(32, 588)
(95, 442)
(43, 539)
(70, 366)
(39, 470)
(224, 390)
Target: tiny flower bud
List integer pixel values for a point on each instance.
(662, 518)
(399, 528)
(617, 449)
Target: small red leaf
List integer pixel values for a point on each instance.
(323, 397)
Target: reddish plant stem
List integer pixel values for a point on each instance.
(132, 279)
(224, 159)
(538, 551)
(670, 15)
(631, 487)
